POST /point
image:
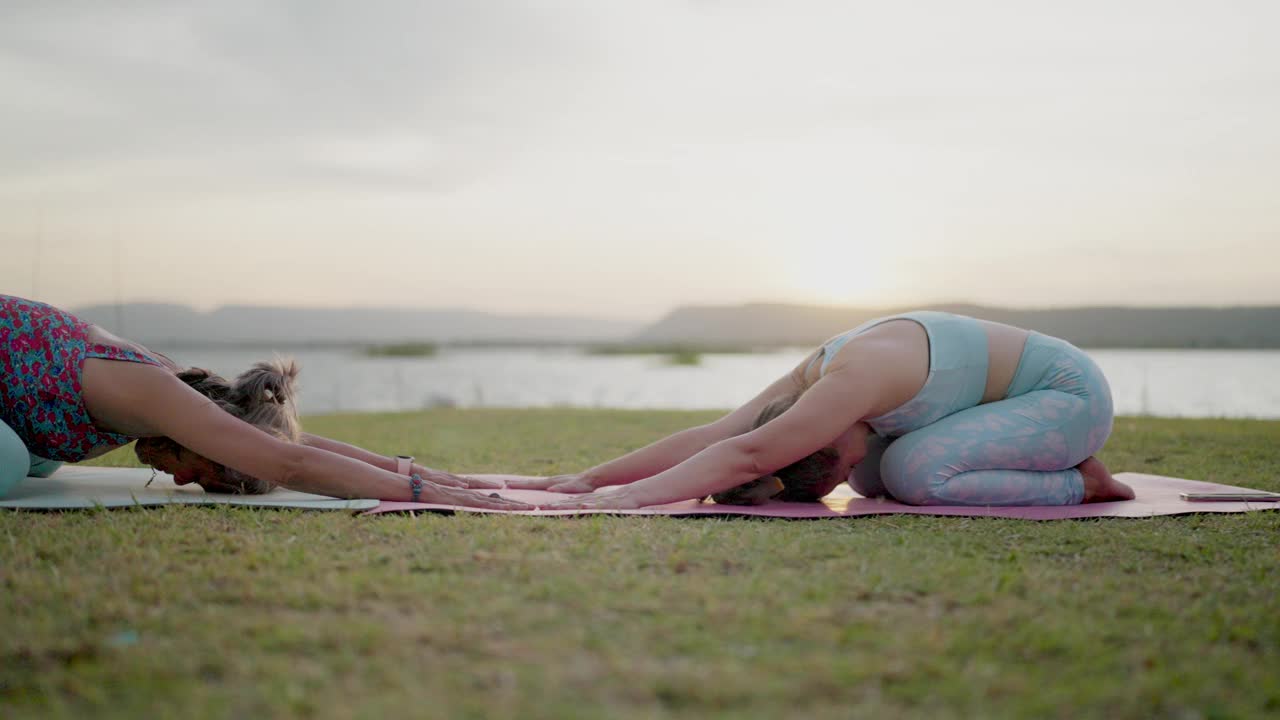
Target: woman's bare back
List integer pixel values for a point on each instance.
(900, 352)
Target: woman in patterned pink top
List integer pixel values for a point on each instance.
(70, 391)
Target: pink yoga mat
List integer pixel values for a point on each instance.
(1156, 495)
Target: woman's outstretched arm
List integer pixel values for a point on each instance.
(671, 450)
(383, 462)
(824, 412)
(152, 401)
(354, 452)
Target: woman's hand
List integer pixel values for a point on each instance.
(441, 477)
(614, 497)
(575, 483)
(441, 495)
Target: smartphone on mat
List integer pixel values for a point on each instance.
(1231, 497)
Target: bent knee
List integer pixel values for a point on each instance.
(918, 490)
(11, 472)
(865, 477)
(15, 461)
(865, 480)
(43, 468)
(908, 472)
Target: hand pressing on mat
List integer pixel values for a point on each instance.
(448, 479)
(575, 483)
(614, 497)
(441, 495)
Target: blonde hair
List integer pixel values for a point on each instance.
(800, 481)
(262, 396)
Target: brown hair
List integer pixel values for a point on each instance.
(798, 482)
(262, 396)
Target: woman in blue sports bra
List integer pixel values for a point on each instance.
(926, 407)
(71, 391)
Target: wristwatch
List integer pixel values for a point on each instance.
(404, 464)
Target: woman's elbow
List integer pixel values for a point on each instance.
(742, 457)
(290, 465)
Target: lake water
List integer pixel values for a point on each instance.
(1166, 383)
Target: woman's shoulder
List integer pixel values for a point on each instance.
(881, 347)
(115, 345)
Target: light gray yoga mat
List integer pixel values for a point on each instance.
(73, 487)
(1156, 495)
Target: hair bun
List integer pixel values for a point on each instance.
(266, 382)
(209, 384)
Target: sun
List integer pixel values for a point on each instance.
(848, 275)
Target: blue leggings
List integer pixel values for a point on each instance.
(1018, 451)
(16, 462)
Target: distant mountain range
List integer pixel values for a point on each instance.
(163, 324)
(752, 325)
(1095, 327)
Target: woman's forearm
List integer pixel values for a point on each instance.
(719, 467)
(320, 471)
(652, 459)
(381, 462)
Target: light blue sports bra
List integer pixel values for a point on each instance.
(957, 377)
(832, 346)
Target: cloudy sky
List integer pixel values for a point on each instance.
(621, 158)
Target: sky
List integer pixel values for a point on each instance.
(620, 159)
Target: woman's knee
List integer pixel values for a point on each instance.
(865, 478)
(42, 468)
(907, 469)
(15, 461)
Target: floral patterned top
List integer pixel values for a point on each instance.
(42, 351)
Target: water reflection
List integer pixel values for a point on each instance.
(1167, 383)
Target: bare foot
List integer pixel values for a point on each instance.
(1099, 486)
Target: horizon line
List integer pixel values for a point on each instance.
(682, 306)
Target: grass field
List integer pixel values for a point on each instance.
(221, 612)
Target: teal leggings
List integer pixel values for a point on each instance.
(1018, 451)
(16, 462)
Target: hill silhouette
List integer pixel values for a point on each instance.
(764, 324)
(171, 324)
(752, 325)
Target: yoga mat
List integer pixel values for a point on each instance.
(73, 487)
(1156, 495)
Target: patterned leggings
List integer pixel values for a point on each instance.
(16, 463)
(1016, 451)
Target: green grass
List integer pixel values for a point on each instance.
(668, 349)
(677, 354)
(670, 354)
(684, 357)
(223, 612)
(411, 349)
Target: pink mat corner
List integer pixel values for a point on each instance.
(1156, 495)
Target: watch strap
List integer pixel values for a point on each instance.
(404, 464)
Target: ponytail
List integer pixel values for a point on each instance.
(264, 397)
